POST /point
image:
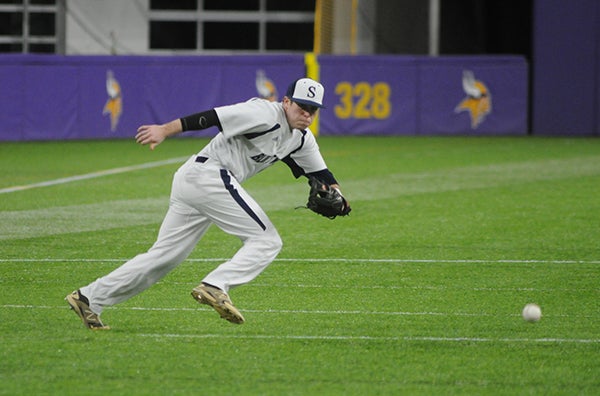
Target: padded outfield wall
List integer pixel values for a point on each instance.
(47, 97)
(566, 73)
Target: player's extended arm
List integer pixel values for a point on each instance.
(155, 134)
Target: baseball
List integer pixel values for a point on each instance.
(532, 313)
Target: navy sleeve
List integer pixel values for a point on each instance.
(324, 175)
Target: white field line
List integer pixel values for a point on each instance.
(334, 338)
(376, 338)
(448, 180)
(339, 337)
(294, 311)
(105, 215)
(320, 260)
(92, 175)
(267, 311)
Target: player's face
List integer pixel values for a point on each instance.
(299, 116)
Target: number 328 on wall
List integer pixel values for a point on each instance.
(363, 100)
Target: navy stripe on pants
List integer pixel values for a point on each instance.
(238, 198)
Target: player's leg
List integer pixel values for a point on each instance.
(179, 233)
(237, 213)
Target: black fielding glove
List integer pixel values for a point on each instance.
(325, 200)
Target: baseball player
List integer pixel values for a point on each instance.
(207, 190)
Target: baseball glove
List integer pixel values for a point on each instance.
(325, 200)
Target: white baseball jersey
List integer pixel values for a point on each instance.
(255, 135)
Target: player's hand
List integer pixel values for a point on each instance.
(151, 134)
(337, 187)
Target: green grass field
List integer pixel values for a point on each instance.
(419, 291)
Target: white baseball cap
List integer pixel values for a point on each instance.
(306, 91)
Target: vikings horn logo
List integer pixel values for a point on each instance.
(265, 87)
(114, 104)
(478, 101)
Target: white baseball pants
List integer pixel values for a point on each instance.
(202, 194)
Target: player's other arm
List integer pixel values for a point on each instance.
(155, 134)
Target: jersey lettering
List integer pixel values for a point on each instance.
(262, 158)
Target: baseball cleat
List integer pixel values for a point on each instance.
(81, 305)
(219, 300)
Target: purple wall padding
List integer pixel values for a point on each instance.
(47, 97)
(424, 93)
(566, 73)
(58, 97)
(354, 101)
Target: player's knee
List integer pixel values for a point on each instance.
(274, 242)
(277, 243)
(271, 242)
